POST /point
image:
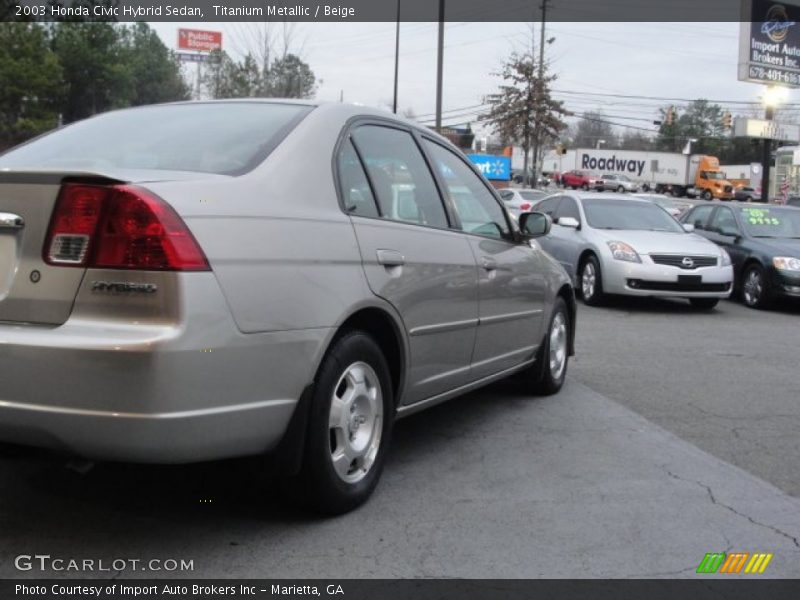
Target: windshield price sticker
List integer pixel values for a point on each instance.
(760, 216)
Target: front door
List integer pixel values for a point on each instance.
(511, 285)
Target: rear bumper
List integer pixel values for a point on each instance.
(186, 389)
(650, 279)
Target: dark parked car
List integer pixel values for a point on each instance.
(747, 194)
(764, 244)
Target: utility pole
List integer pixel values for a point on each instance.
(766, 157)
(439, 68)
(538, 93)
(396, 57)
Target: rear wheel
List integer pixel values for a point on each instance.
(621, 189)
(754, 287)
(704, 303)
(546, 376)
(591, 281)
(707, 195)
(349, 426)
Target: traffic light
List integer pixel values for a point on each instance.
(670, 115)
(727, 120)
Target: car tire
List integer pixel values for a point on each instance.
(340, 467)
(590, 281)
(621, 190)
(585, 187)
(754, 287)
(704, 303)
(546, 376)
(707, 195)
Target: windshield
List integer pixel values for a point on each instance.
(225, 138)
(603, 213)
(714, 175)
(772, 222)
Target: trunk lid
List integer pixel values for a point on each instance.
(31, 291)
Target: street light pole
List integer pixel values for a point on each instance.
(439, 68)
(766, 152)
(396, 58)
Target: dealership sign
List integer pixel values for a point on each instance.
(492, 167)
(199, 40)
(769, 42)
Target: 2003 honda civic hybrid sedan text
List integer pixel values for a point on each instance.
(197, 281)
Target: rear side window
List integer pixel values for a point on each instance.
(479, 211)
(399, 175)
(356, 193)
(227, 138)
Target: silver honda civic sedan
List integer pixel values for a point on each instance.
(198, 281)
(617, 244)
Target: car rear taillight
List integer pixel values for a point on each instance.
(119, 227)
(525, 206)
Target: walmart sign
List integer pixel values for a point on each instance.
(492, 167)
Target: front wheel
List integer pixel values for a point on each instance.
(591, 281)
(621, 190)
(585, 187)
(707, 195)
(349, 427)
(546, 376)
(754, 287)
(703, 303)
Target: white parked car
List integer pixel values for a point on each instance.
(615, 244)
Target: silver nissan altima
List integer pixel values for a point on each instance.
(198, 281)
(617, 244)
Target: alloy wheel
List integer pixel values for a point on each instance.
(588, 281)
(558, 345)
(356, 422)
(753, 288)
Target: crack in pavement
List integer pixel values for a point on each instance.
(716, 502)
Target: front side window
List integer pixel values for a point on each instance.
(724, 222)
(567, 208)
(476, 206)
(699, 216)
(402, 182)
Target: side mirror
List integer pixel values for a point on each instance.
(570, 222)
(688, 227)
(534, 224)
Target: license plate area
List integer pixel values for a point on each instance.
(690, 279)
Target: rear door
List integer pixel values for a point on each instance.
(411, 256)
(30, 290)
(510, 275)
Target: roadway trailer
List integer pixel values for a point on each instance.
(663, 172)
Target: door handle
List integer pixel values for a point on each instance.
(489, 264)
(390, 258)
(11, 221)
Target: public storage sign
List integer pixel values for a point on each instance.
(493, 167)
(199, 40)
(769, 43)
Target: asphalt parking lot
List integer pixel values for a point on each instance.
(676, 435)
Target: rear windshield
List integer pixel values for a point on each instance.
(224, 138)
(628, 214)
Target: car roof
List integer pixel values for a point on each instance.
(611, 196)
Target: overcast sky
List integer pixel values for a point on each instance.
(679, 60)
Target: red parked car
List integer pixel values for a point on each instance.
(580, 179)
